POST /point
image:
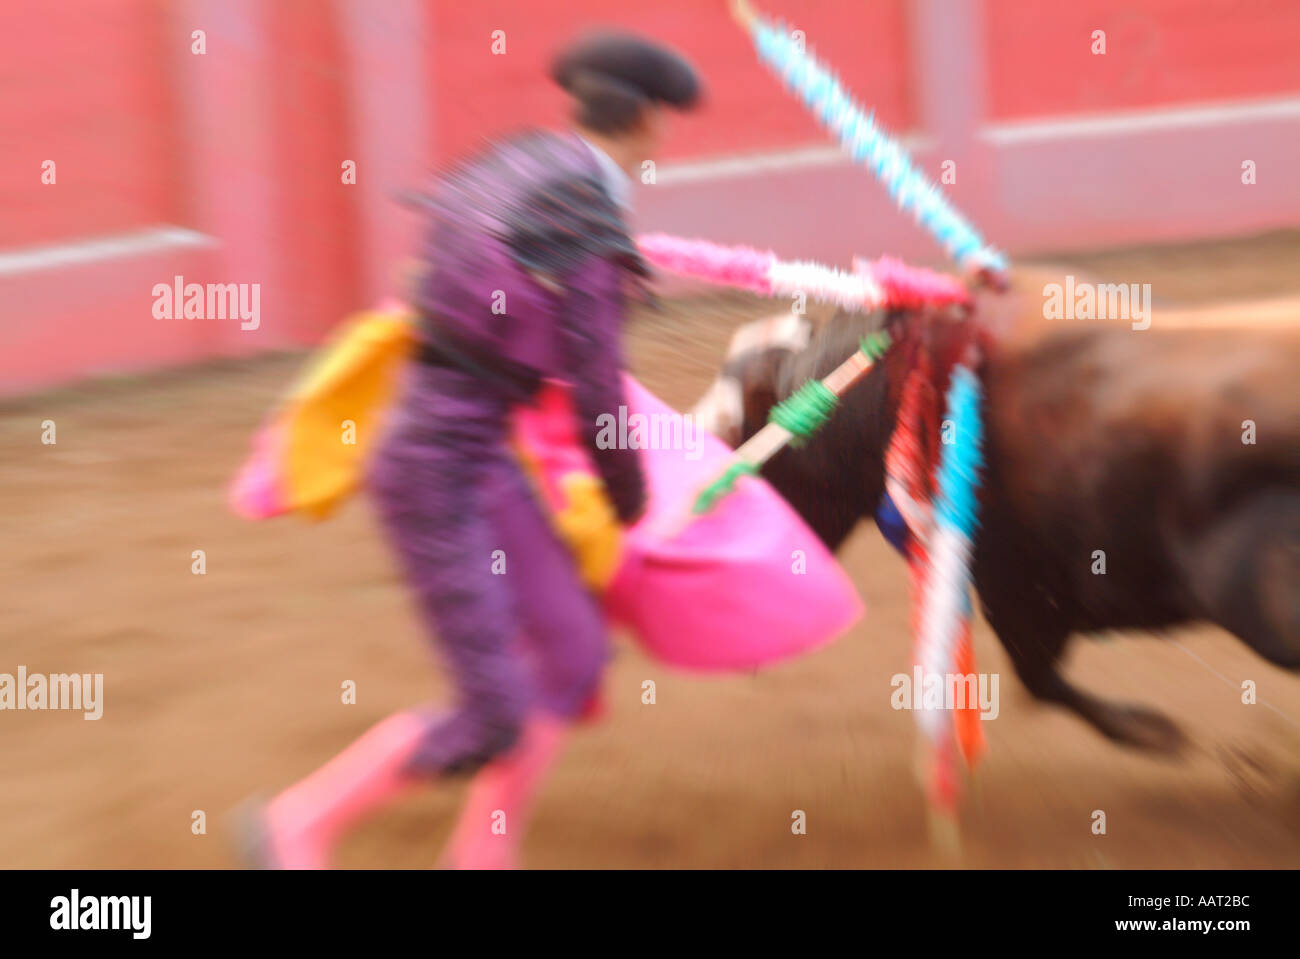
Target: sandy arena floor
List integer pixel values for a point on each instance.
(225, 685)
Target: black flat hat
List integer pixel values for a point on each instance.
(654, 72)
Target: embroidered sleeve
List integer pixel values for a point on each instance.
(590, 328)
(564, 222)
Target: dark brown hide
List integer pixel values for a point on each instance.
(1098, 438)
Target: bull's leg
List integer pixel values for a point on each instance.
(1034, 639)
(1245, 572)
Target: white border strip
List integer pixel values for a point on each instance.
(999, 134)
(1141, 121)
(753, 164)
(56, 255)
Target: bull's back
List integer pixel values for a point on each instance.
(1113, 446)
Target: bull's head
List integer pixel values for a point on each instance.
(836, 477)
(737, 402)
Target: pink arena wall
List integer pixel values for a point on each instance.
(226, 167)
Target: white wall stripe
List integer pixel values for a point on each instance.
(1000, 134)
(115, 246)
(730, 167)
(1141, 121)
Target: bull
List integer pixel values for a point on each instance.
(1173, 452)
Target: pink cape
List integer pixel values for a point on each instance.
(742, 586)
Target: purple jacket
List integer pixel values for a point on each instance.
(526, 261)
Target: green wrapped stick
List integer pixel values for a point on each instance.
(794, 419)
